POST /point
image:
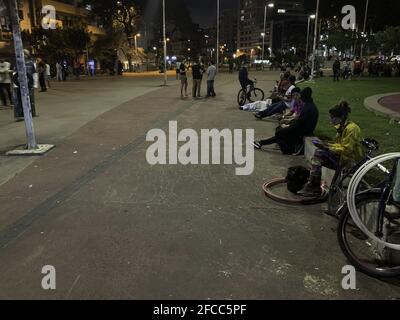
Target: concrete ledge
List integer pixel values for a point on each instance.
(373, 105)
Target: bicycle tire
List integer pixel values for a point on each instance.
(256, 95)
(336, 198)
(242, 98)
(364, 267)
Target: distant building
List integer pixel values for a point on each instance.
(284, 17)
(228, 32)
(68, 14)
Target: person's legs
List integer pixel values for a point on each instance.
(322, 158)
(9, 93)
(278, 107)
(199, 88)
(194, 84)
(2, 94)
(208, 88)
(182, 85)
(186, 87)
(212, 88)
(268, 141)
(42, 82)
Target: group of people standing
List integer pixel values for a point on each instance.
(198, 72)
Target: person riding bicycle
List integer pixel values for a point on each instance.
(244, 78)
(346, 149)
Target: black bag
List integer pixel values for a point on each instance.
(296, 178)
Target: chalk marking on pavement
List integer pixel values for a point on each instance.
(73, 286)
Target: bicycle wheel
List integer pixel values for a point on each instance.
(241, 98)
(256, 95)
(338, 191)
(368, 256)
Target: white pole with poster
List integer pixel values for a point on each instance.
(32, 148)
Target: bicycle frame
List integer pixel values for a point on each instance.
(385, 199)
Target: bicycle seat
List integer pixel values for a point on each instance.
(370, 144)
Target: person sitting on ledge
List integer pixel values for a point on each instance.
(289, 136)
(347, 148)
(279, 107)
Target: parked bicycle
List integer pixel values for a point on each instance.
(373, 249)
(338, 188)
(251, 94)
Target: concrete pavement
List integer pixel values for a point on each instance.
(66, 107)
(115, 227)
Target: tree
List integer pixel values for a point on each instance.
(340, 39)
(388, 40)
(58, 44)
(118, 16)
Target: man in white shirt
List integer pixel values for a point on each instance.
(48, 75)
(211, 74)
(5, 82)
(280, 106)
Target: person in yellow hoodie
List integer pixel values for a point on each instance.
(347, 148)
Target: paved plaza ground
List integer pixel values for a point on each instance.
(115, 227)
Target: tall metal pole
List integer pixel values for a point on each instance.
(218, 8)
(315, 41)
(264, 34)
(271, 36)
(22, 77)
(165, 45)
(308, 37)
(365, 25)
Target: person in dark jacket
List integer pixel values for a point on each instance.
(288, 137)
(197, 77)
(336, 70)
(244, 77)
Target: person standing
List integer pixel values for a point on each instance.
(48, 75)
(183, 78)
(32, 84)
(196, 73)
(5, 82)
(178, 65)
(42, 75)
(336, 70)
(58, 71)
(211, 73)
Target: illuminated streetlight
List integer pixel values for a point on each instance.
(308, 32)
(270, 5)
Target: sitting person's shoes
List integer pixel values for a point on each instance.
(258, 116)
(311, 190)
(257, 145)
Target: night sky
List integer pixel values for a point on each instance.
(204, 12)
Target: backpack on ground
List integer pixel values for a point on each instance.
(296, 178)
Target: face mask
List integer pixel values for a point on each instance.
(336, 121)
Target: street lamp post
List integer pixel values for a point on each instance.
(365, 26)
(308, 33)
(165, 45)
(270, 5)
(136, 45)
(315, 41)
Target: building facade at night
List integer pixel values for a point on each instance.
(281, 18)
(68, 14)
